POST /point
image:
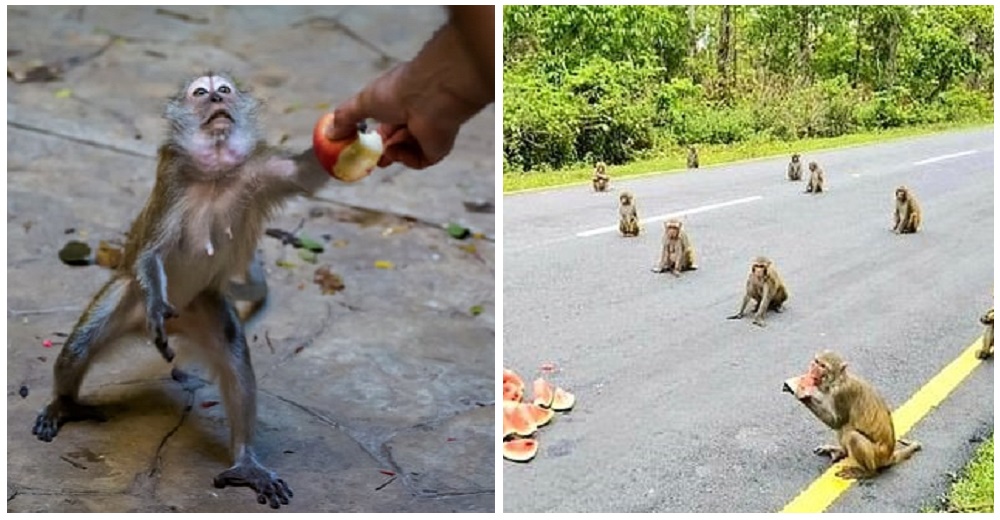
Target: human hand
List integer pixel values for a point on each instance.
(421, 104)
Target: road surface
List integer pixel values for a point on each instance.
(679, 409)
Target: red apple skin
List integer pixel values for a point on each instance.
(327, 151)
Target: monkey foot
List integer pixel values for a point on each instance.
(759, 322)
(984, 354)
(270, 489)
(853, 473)
(59, 412)
(834, 452)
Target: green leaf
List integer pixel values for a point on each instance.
(458, 231)
(307, 255)
(310, 244)
(476, 310)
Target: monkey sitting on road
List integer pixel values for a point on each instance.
(986, 351)
(907, 213)
(857, 413)
(216, 184)
(601, 178)
(816, 181)
(678, 253)
(795, 168)
(692, 157)
(628, 215)
(764, 285)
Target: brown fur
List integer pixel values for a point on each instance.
(795, 168)
(601, 178)
(765, 285)
(860, 417)
(692, 161)
(907, 215)
(628, 215)
(678, 253)
(986, 350)
(817, 180)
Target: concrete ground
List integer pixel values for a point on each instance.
(379, 397)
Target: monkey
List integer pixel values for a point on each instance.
(986, 351)
(764, 285)
(678, 253)
(817, 183)
(692, 157)
(795, 168)
(217, 182)
(601, 178)
(628, 221)
(907, 214)
(858, 414)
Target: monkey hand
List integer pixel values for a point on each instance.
(157, 312)
(759, 322)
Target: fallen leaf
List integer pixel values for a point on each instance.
(42, 358)
(292, 108)
(451, 439)
(63, 93)
(75, 253)
(208, 404)
(322, 106)
(47, 343)
(299, 348)
(23, 392)
(340, 243)
(476, 310)
(383, 264)
(287, 264)
(478, 236)
(307, 255)
(468, 248)
(69, 230)
(387, 472)
(458, 231)
(479, 206)
(32, 72)
(302, 285)
(328, 281)
(182, 17)
(548, 367)
(310, 244)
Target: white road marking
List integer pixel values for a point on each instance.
(944, 157)
(676, 214)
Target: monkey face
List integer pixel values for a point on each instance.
(901, 194)
(795, 157)
(212, 106)
(212, 97)
(759, 270)
(673, 229)
(825, 369)
(625, 198)
(812, 166)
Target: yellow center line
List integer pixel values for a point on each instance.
(828, 487)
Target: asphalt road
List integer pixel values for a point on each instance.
(679, 409)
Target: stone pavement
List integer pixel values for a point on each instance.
(377, 398)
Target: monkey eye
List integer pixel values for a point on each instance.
(200, 91)
(224, 89)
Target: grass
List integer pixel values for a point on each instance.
(973, 492)
(674, 161)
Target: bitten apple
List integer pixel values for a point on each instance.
(350, 159)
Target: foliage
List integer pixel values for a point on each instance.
(626, 83)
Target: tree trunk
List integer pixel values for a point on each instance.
(725, 48)
(857, 49)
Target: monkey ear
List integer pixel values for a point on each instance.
(843, 368)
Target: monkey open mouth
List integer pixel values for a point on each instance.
(219, 115)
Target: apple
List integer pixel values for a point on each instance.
(350, 159)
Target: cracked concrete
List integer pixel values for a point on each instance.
(376, 398)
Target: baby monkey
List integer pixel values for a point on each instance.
(217, 182)
(678, 253)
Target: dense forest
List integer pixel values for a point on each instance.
(620, 83)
